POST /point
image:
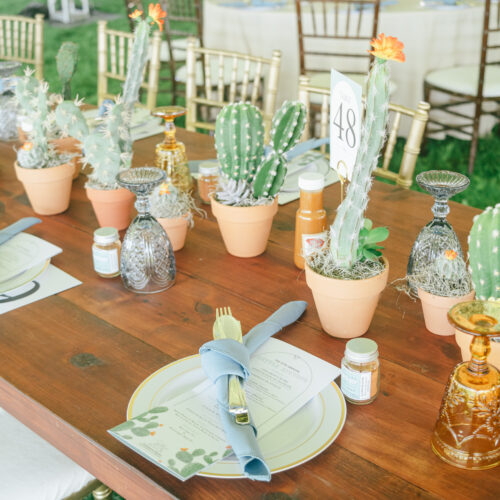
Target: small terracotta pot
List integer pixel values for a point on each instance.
(346, 307)
(48, 189)
(464, 340)
(70, 145)
(176, 229)
(245, 230)
(112, 207)
(436, 309)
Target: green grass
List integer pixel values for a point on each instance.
(450, 154)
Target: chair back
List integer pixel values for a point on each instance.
(228, 77)
(490, 46)
(114, 49)
(21, 39)
(336, 34)
(404, 176)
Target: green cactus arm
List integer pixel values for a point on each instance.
(287, 126)
(484, 254)
(104, 157)
(344, 232)
(66, 62)
(270, 176)
(71, 121)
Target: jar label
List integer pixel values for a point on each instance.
(105, 261)
(356, 385)
(311, 243)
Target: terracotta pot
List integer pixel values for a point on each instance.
(245, 230)
(112, 207)
(70, 145)
(346, 307)
(464, 340)
(48, 189)
(436, 309)
(176, 229)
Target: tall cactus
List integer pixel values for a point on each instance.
(66, 61)
(484, 254)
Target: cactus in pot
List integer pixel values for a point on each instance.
(484, 254)
(66, 61)
(249, 177)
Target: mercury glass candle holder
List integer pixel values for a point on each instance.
(438, 235)
(8, 106)
(467, 432)
(147, 261)
(170, 155)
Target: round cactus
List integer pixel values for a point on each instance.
(30, 156)
(450, 266)
(484, 254)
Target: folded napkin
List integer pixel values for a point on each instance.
(224, 357)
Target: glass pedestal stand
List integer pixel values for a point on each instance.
(147, 261)
(467, 432)
(438, 235)
(170, 155)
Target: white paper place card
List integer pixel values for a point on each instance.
(23, 252)
(185, 434)
(345, 123)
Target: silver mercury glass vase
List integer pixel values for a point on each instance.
(8, 105)
(147, 261)
(438, 235)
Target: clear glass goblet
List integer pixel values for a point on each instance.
(438, 235)
(147, 261)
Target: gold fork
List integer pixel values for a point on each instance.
(228, 327)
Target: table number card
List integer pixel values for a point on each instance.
(345, 123)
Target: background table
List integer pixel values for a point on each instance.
(71, 362)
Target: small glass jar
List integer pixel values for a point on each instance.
(360, 371)
(106, 252)
(207, 179)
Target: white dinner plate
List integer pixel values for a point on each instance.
(24, 277)
(311, 161)
(303, 436)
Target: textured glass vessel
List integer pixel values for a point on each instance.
(8, 107)
(438, 235)
(467, 432)
(147, 261)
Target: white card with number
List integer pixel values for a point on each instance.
(345, 123)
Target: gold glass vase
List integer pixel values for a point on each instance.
(467, 432)
(170, 155)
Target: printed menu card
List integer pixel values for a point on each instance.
(184, 435)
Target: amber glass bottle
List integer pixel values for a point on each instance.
(310, 221)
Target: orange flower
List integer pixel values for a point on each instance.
(27, 146)
(184, 449)
(164, 188)
(450, 254)
(152, 433)
(387, 48)
(137, 13)
(157, 15)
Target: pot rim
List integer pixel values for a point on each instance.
(439, 299)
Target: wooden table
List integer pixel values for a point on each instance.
(384, 448)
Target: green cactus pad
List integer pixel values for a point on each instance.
(66, 61)
(71, 120)
(270, 176)
(287, 126)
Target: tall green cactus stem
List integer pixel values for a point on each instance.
(239, 140)
(344, 232)
(484, 254)
(287, 126)
(66, 61)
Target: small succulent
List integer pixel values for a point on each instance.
(368, 248)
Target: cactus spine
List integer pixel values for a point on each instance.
(344, 233)
(484, 254)
(239, 140)
(66, 61)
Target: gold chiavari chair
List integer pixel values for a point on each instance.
(21, 39)
(216, 77)
(465, 85)
(113, 52)
(404, 176)
(335, 34)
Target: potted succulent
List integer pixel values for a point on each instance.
(173, 209)
(245, 201)
(45, 173)
(347, 277)
(484, 267)
(108, 148)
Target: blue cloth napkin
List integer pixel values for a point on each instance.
(221, 358)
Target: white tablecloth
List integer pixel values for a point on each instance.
(433, 37)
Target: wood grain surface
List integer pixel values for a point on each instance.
(71, 362)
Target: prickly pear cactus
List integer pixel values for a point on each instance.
(66, 61)
(484, 254)
(239, 140)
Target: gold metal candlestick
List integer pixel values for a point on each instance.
(170, 155)
(467, 432)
